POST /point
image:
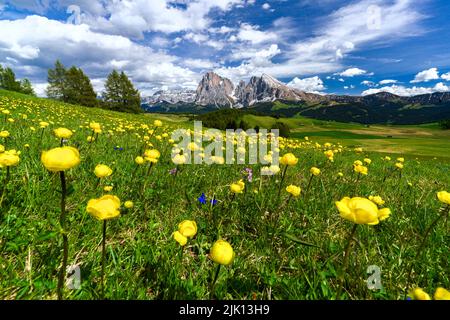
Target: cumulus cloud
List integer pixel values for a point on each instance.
(266, 6)
(250, 33)
(368, 83)
(426, 75)
(352, 72)
(94, 52)
(312, 84)
(408, 92)
(446, 76)
(387, 81)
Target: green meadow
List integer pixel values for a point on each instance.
(285, 246)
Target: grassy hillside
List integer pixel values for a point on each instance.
(285, 247)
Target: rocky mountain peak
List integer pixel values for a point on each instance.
(215, 90)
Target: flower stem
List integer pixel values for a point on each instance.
(62, 223)
(213, 283)
(281, 182)
(5, 183)
(103, 260)
(344, 264)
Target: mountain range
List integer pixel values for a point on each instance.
(272, 97)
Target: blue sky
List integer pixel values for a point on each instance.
(326, 46)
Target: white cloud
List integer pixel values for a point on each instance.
(199, 63)
(40, 88)
(251, 33)
(426, 75)
(266, 6)
(387, 81)
(312, 84)
(97, 54)
(133, 18)
(446, 76)
(352, 72)
(405, 91)
(368, 83)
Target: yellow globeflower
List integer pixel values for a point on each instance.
(95, 126)
(294, 190)
(361, 211)
(237, 187)
(108, 188)
(157, 123)
(9, 158)
(399, 165)
(419, 294)
(152, 155)
(222, 253)
(63, 133)
(43, 124)
(102, 171)
(442, 294)
(444, 197)
(361, 169)
(60, 159)
(139, 160)
(2, 148)
(377, 199)
(129, 204)
(179, 159)
(182, 240)
(367, 160)
(315, 171)
(188, 228)
(4, 134)
(104, 208)
(289, 159)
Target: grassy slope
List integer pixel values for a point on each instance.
(422, 140)
(143, 261)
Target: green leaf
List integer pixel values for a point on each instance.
(297, 240)
(47, 235)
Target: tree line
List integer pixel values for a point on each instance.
(9, 82)
(233, 119)
(74, 86)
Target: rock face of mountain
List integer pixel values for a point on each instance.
(267, 88)
(215, 90)
(219, 91)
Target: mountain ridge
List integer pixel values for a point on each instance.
(262, 94)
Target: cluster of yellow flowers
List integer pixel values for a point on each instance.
(360, 168)
(8, 158)
(186, 229)
(439, 294)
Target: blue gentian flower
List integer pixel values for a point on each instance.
(202, 199)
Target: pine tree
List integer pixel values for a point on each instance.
(131, 100)
(1, 76)
(26, 87)
(112, 92)
(57, 82)
(78, 88)
(8, 80)
(120, 94)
